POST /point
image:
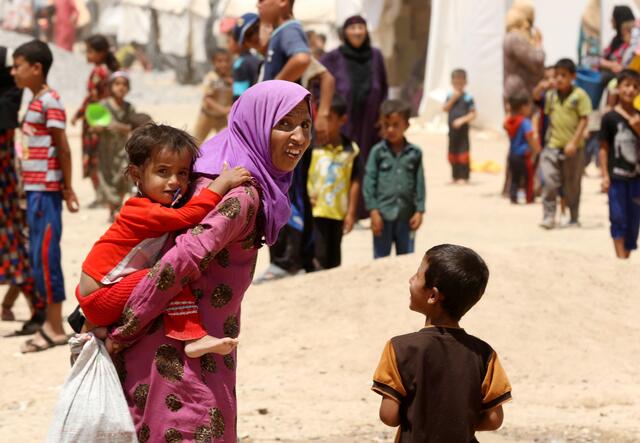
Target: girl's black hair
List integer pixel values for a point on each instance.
(99, 43)
(151, 137)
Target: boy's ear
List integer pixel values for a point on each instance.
(344, 119)
(434, 296)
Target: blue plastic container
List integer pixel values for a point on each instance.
(591, 82)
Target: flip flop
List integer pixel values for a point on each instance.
(272, 273)
(33, 347)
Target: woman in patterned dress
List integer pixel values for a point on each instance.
(99, 53)
(14, 261)
(171, 397)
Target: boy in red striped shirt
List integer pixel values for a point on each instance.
(46, 169)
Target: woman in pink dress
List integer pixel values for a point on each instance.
(64, 31)
(171, 397)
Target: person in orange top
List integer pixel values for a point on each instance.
(160, 163)
(441, 384)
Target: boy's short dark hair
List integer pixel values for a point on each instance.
(338, 105)
(139, 119)
(396, 106)
(150, 138)
(517, 101)
(566, 64)
(219, 51)
(460, 275)
(629, 74)
(459, 73)
(34, 52)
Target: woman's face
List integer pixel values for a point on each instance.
(290, 138)
(356, 34)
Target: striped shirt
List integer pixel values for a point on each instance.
(40, 164)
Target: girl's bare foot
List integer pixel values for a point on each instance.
(205, 345)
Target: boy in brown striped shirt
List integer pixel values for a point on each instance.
(441, 384)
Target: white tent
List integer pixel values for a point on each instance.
(468, 34)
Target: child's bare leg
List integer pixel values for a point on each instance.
(207, 344)
(621, 251)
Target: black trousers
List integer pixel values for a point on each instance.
(287, 251)
(327, 235)
(519, 175)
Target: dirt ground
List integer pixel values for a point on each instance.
(560, 310)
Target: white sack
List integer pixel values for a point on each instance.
(91, 406)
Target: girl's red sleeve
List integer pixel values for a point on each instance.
(157, 218)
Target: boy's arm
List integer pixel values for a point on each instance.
(533, 142)
(421, 195)
(369, 192)
(453, 98)
(327, 89)
(465, 119)
(64, 156)
(295, 67)
(352, 209)
(604, 165)
(572, 147)
(216, 107)
(312, 181)
(390, 412)
(490, 420)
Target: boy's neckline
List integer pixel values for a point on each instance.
(459, 328)
(43, 89)
(562, 96)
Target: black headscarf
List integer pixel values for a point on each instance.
(358, 64)
(621, 14)
(10, 95)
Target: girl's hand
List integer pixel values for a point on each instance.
(229, 178)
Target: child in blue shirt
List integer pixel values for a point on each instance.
(246, 66)
(522, 141)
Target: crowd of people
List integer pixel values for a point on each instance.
(201, 207)
(556, 127)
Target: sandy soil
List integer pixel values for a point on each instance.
(560, 310)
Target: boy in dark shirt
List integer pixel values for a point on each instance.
(441, 384)
(288, 54)
(619, 162)
(394, 189)
(246, 66)
(462, 111)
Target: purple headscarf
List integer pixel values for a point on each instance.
(246, 142)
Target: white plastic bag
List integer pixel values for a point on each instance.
(92, 407)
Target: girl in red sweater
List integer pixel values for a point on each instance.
(160, 162)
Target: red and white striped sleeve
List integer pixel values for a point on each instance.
(55, 115)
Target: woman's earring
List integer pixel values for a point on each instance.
(138, 190)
